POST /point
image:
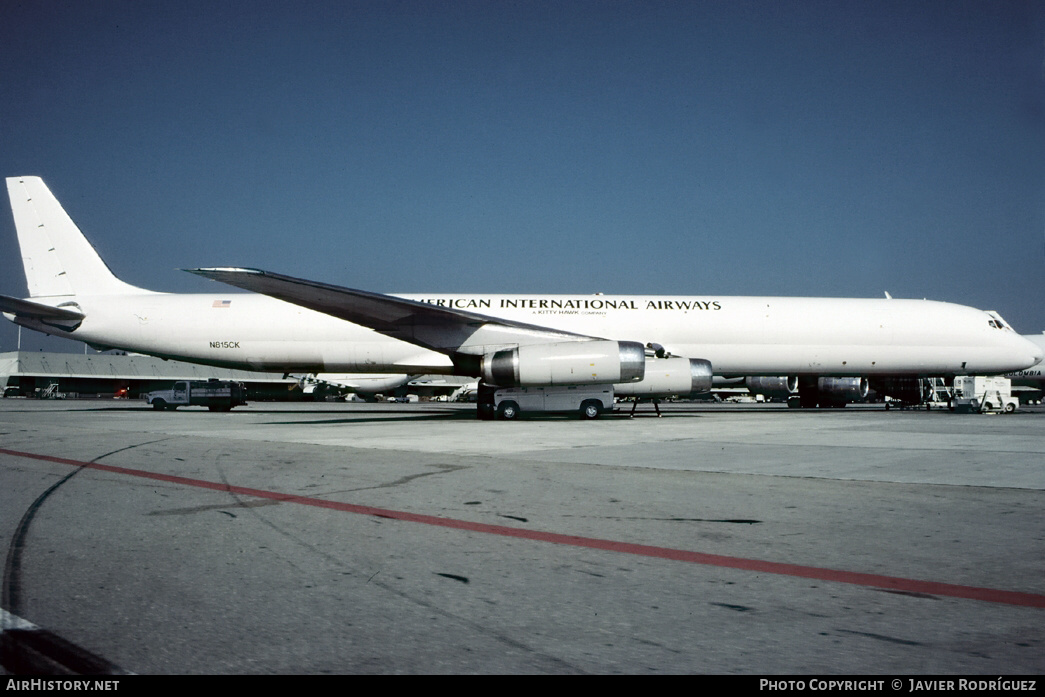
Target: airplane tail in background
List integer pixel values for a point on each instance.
(58, 259)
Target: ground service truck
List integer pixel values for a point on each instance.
(984, 393)
(216, 395)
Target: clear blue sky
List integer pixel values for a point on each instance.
(733, 148)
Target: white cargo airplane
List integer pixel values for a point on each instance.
(643, 345)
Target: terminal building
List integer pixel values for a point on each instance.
(46, 375)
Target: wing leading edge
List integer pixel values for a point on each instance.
(442, 329)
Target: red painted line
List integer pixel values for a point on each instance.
(769, 567)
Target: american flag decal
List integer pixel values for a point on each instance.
(221, 303)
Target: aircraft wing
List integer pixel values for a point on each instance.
(442, 329)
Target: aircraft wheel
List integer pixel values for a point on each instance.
(590, 409)
(508, 410)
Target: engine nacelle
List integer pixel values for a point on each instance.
(666, 377)
(780, 387)
(568, 363)
(843, 390)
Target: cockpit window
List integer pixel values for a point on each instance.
(996, 322)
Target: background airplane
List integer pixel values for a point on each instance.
(367, 386)
(1029, 384)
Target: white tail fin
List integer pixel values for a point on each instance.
(58, 259)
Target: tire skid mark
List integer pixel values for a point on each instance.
(213, 507)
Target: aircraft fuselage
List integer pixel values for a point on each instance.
(739, 335)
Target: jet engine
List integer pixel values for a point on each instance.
(841, 391)
(829, 392)
(569, 363)
(669, 376)
(779, 387)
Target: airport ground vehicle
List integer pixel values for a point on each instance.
(587, 401)
(216, 395)
(984, 393)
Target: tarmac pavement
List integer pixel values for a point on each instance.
(413, 538)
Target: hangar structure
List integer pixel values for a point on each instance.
(105, 375)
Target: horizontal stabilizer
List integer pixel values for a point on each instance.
(31, 310)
